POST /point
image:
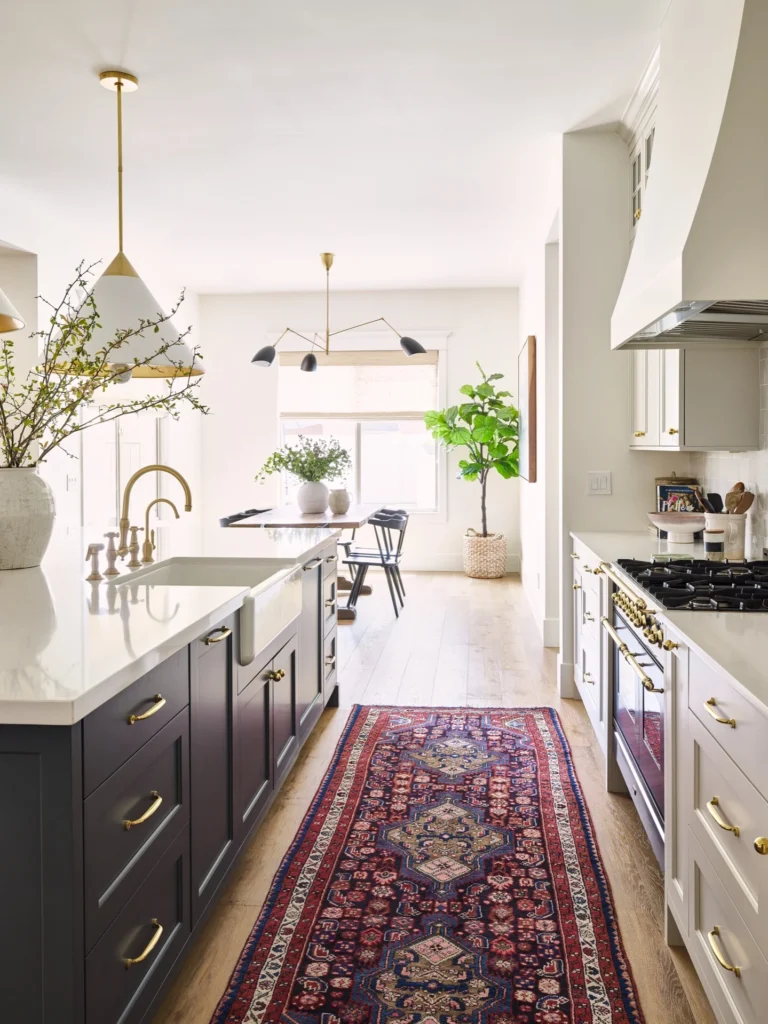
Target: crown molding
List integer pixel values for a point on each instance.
(643, 99)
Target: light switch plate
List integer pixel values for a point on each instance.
(599, 482)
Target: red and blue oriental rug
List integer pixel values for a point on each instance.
(446, 873)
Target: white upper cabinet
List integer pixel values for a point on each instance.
(696, 398)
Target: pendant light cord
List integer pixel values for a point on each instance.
(119, 90)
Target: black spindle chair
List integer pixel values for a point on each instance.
(389, 529)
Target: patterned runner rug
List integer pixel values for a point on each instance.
(446, 873)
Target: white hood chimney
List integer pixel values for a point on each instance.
(699, 265)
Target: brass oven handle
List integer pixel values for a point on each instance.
(152, 809)
(160, 702)
(130, 961)
(712, 936)
(709, 707)
(712, 806)
(312, 565)
(223, 631)
(606, 567)
(629, 658)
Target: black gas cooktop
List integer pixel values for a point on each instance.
(702, 586)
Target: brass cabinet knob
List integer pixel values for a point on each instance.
(672, 430)
(577, 586)
(670, 645)
(761, 845)
(639, 433)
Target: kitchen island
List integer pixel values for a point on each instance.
(694, 686)
(139, 751)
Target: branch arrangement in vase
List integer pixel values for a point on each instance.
(39, 413)
(313, 461)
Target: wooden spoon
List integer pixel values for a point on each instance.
(732, 499)
(745, 503)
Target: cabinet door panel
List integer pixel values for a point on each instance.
(671, 422)
(211, 766)
(254, 749)
(284, 708)
(645, 398)
(309, 684)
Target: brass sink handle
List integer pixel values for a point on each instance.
(149, 535)
(130, 961)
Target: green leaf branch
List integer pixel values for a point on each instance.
(312, 460)
(60, 396)
(487, 426)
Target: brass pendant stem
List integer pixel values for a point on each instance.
(328, 311)
(119, 90)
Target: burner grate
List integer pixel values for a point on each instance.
(699, 585)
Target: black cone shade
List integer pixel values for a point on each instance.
(309, 362)
(265, 356)
(411, 347)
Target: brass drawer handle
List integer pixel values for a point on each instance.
(130, 961)
(152, 809)
(639, 433)
(588, 617)
(712, 806)
(713, 945)
(710, 706)
(332, 558)
(672, 430)
(587, 677)
(574, 555)
(577, 586)
(312, 565)
(330, 661)
(160, 702)
(761, 845)
(331, 602)
(223, 631)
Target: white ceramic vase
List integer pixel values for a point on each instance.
(339, 501)
(27, 511)
(312, 498)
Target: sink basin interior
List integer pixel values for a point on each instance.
(207, 572)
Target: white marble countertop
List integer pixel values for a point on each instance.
(736, 643)
(67, 646)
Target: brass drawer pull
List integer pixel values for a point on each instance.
(312, 565)
(332, 558)
(331, 602)
(160, 702)
(130, 961)
(713, 945)
(672, 430)
(639, 433)
(587, 677)
(712, 806)
(152, 809)
(574, 555)
(577, 586)
(223, 631)
(330, 661)
(588, 617)
(710, 706)
(761, 845)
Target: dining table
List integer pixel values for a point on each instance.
(290, 517)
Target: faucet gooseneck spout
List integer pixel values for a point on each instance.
(125, 522)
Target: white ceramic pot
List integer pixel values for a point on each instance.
(312, 498)
(339, 501)
(27, 511)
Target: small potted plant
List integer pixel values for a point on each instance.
(487, 427)
(313, 461)
(62, 396)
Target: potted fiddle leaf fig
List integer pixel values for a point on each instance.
(486, 426)
(313, 460)
(63, 395)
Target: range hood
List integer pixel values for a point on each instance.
(699, 265)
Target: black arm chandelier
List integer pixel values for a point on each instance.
(266, 355)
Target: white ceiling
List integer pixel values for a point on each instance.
(415, 138)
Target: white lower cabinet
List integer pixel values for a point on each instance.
(590, 652)
(677, 770)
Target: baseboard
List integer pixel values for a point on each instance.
(448, 563)
(550, 632)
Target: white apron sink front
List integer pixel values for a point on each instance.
(273, 602)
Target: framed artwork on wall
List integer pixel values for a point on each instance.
(526, 377)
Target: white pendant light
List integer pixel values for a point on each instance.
(122, 298)
(10, 318)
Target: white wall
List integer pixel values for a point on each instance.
(594, 246)
(243, 427)
(540, 500)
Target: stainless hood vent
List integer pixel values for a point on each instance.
(699, 265)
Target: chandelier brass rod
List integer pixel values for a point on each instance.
(290, 330)
(354, 327)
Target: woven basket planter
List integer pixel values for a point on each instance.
(485, 558)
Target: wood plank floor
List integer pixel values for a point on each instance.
(459, 642)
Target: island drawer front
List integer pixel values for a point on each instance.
(109, 737)
(329, 603)
(118, 858)
(742, 869)
(329, 664)
(330, 561)
(590, 605)
(739, 999)
(115, 992)
(710, 695)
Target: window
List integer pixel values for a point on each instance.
(373, 403)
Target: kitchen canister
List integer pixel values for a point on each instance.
(734, 529)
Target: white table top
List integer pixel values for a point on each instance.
(734, 642)
(289, 516)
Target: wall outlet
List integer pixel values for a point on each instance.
(599, 482)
